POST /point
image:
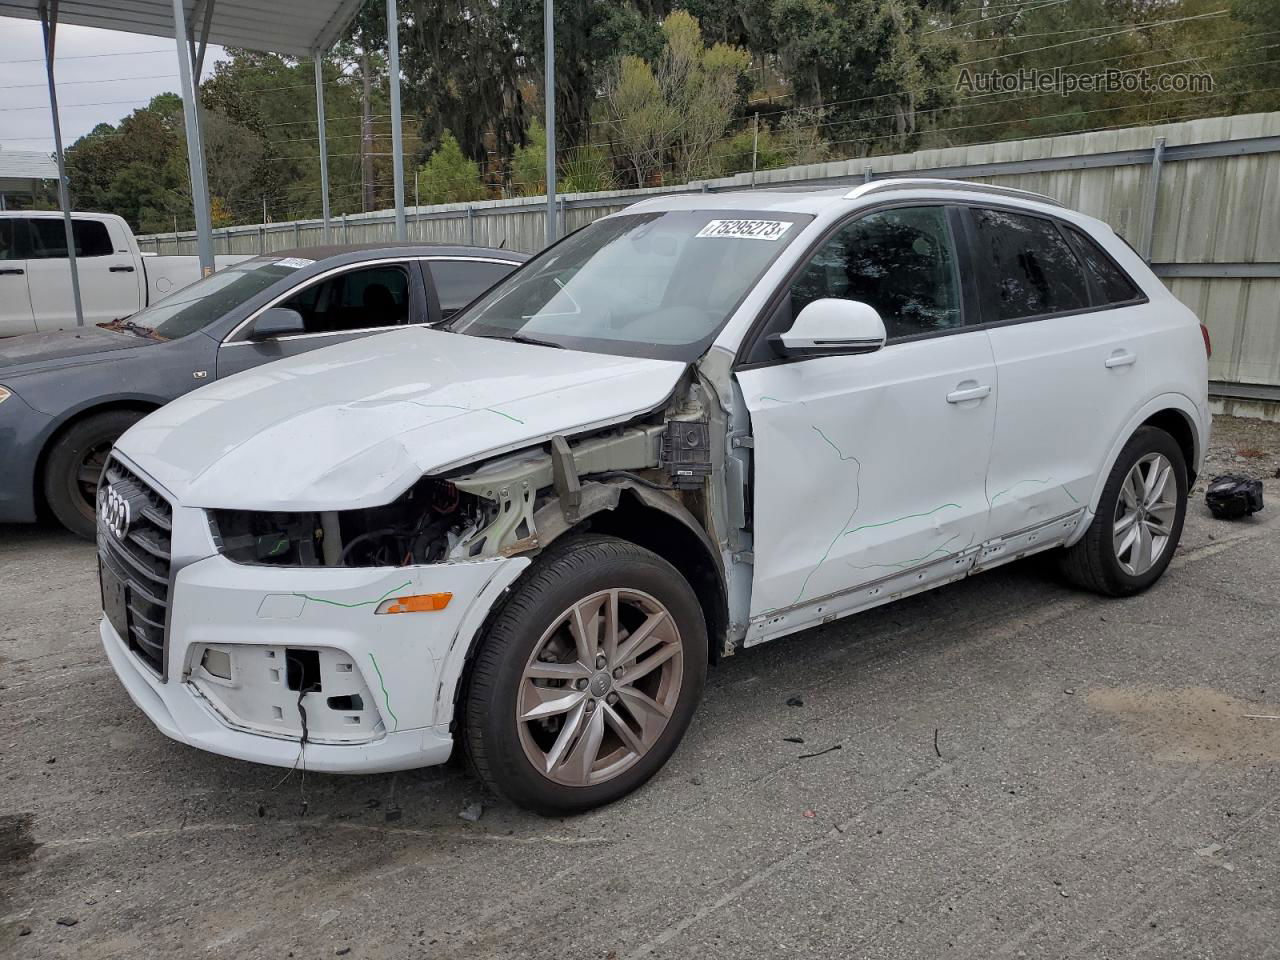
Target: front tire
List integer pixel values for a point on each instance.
(587, 679)
(1136, 529)
(75, 463)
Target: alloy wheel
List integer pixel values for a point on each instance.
(1145, 513)
(85, 481)
(600, 687)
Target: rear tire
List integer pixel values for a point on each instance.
(609, 706)
(74, 464)
(1136, 529)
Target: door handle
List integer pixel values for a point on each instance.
(122, 269)
(1121, 358)
(13, 271)
(963, 393)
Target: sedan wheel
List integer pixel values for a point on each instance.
(600, 687)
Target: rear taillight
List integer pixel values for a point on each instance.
(1208, 346)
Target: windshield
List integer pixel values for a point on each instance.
(655, 285)
(196, 306)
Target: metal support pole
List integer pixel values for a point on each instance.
(755, 147)
(195, 146)
(471, 225)
(866, 173)
(1153, 197)
(549, 94)
(49, 22)
(397, 140)
(324, 151)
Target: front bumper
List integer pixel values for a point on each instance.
(23, 432)
(403, 668)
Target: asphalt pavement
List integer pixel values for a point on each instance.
(1004, 767)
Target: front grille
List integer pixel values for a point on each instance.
(140, 562)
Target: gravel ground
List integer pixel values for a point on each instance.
(1024, 770)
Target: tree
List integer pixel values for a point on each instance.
(448, 176)
(678, 110)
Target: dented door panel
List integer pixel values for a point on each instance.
(863, 468)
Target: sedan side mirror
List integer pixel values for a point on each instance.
(278, 322)
(831, 327)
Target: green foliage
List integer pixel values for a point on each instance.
(448, 176)
(648, 93)
(529, 165)
(677, 108)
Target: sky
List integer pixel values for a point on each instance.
(102, 75)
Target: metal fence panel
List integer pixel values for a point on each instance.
(1217, 203)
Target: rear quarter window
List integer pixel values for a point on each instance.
(1112, 283)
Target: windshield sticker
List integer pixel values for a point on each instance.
(745, 229)
(296, 262)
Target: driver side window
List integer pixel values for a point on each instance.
(901, 262)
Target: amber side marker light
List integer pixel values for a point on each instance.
(418, 603)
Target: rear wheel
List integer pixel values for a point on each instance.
(1139, 520)
(75, 463)
(587, 679)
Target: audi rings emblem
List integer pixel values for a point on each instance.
(114, 512)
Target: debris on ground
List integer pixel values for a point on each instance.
(342, 951)
(66, 921)
(810, 814)
(818, 753)
(24, 931)
(1231, 496)
(472, 812)
(795, 701)
(793, 739)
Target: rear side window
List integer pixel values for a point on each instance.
(458, 282)
(1031, 269)
(47, 238)
(1112, 284)
(8, 250)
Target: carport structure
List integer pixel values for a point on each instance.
(296, 28)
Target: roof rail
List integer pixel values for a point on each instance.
(960, 186)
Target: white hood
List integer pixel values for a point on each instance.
(355, 424)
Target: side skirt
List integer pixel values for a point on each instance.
(983, 556)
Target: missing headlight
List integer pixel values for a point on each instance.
(421, 526)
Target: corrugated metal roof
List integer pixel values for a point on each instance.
(293, 27)
(27, 165)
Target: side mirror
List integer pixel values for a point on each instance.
(831, 327)
(278, 322)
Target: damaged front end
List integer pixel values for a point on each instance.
(511, 505)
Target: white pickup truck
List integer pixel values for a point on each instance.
(116, 278)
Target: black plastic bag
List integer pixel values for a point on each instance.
(1230, 497)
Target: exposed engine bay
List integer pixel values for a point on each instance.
(509, 505)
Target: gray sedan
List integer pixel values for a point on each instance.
(66, 396)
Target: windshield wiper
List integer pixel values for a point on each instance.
(519, 338)
(534, 341)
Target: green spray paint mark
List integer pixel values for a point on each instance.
(942, 549)
(830, 443)
(1069, 494)
(456, 406)
(386, 699)
(909, 516)
(362, 603)
(1016, 485)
